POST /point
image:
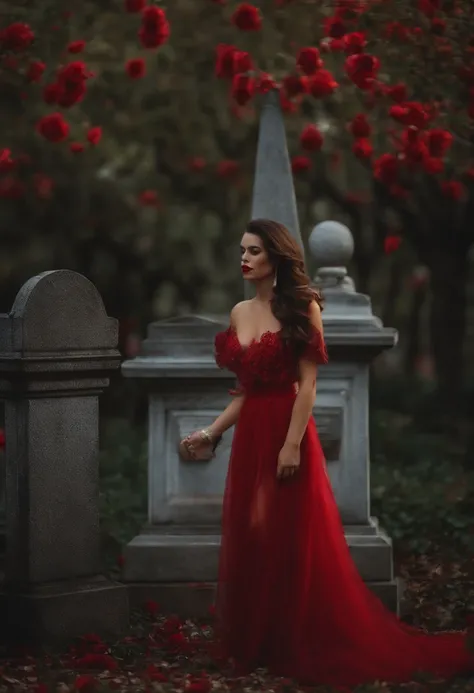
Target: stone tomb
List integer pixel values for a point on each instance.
(175, 557)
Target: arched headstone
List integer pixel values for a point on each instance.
(58, 348)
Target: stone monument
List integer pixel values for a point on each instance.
(273, 190)
(355, 337)
(174, 559)
(58, 349)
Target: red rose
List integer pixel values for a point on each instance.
(362, 69)
(151, 607)
(247, 17)
(453, 189)
(227, 168)
(135, 68)
(149, 198)
(76, 46)
(360, 126)
(286, 104)
(322, 84)
(413, 146)
(311, 139)
(391, 243)
(53, 127)
(76, 147)
(197, 164)
(6, 162)
(2, 439)
(70, 84)
(300, 164)
(334, 27)
(309, 60)
(155, 29)
(243, 89)
(230, 61)
(334, 45)
(71, 95)
(135, 5)
(355, 42)
(432, 165)
(362, 148)
(242, 62)
(410, 113)
(94, 135)
(386, 168)
(16, 37)
(265, 83)
(295, 85)
(439, 141)
(35, 71)
(397, 93)
(225, 66)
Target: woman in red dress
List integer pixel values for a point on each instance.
(289, 595)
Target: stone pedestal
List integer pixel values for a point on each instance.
(174, 559)
(57, 351)
(355, 337)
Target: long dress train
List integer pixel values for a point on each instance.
(289, 595)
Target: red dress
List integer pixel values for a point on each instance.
(289, 596)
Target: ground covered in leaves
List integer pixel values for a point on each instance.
(160, 654)
(422, 493)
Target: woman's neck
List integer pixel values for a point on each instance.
(264, 290)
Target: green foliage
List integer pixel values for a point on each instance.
(123, 479)
(421, 492)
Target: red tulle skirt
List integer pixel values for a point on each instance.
(289, 596)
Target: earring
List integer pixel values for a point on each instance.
(275, 278)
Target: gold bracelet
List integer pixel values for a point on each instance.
(206, 434)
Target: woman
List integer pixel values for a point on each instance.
(289, 596)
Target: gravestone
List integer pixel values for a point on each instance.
(174, 559)
(355, 337)
(273, 190)
(58, 349)
(273, 195)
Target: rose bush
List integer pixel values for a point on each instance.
(381, 89)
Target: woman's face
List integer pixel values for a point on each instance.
(255, 262)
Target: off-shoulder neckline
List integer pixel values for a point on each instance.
(254, 341)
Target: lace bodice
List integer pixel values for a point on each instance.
(267, 364)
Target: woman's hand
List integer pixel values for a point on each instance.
(288, 460)
(198, 446)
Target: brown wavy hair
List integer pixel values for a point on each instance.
(293, 292)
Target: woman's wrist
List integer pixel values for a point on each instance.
(209, 434)
(293, 444)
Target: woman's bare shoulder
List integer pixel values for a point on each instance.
(315, 316)
(239, 311)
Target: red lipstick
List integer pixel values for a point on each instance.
(246, 269)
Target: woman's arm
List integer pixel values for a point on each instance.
(213, 433)
(231, 413)
(303, 406)
(228, 417)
